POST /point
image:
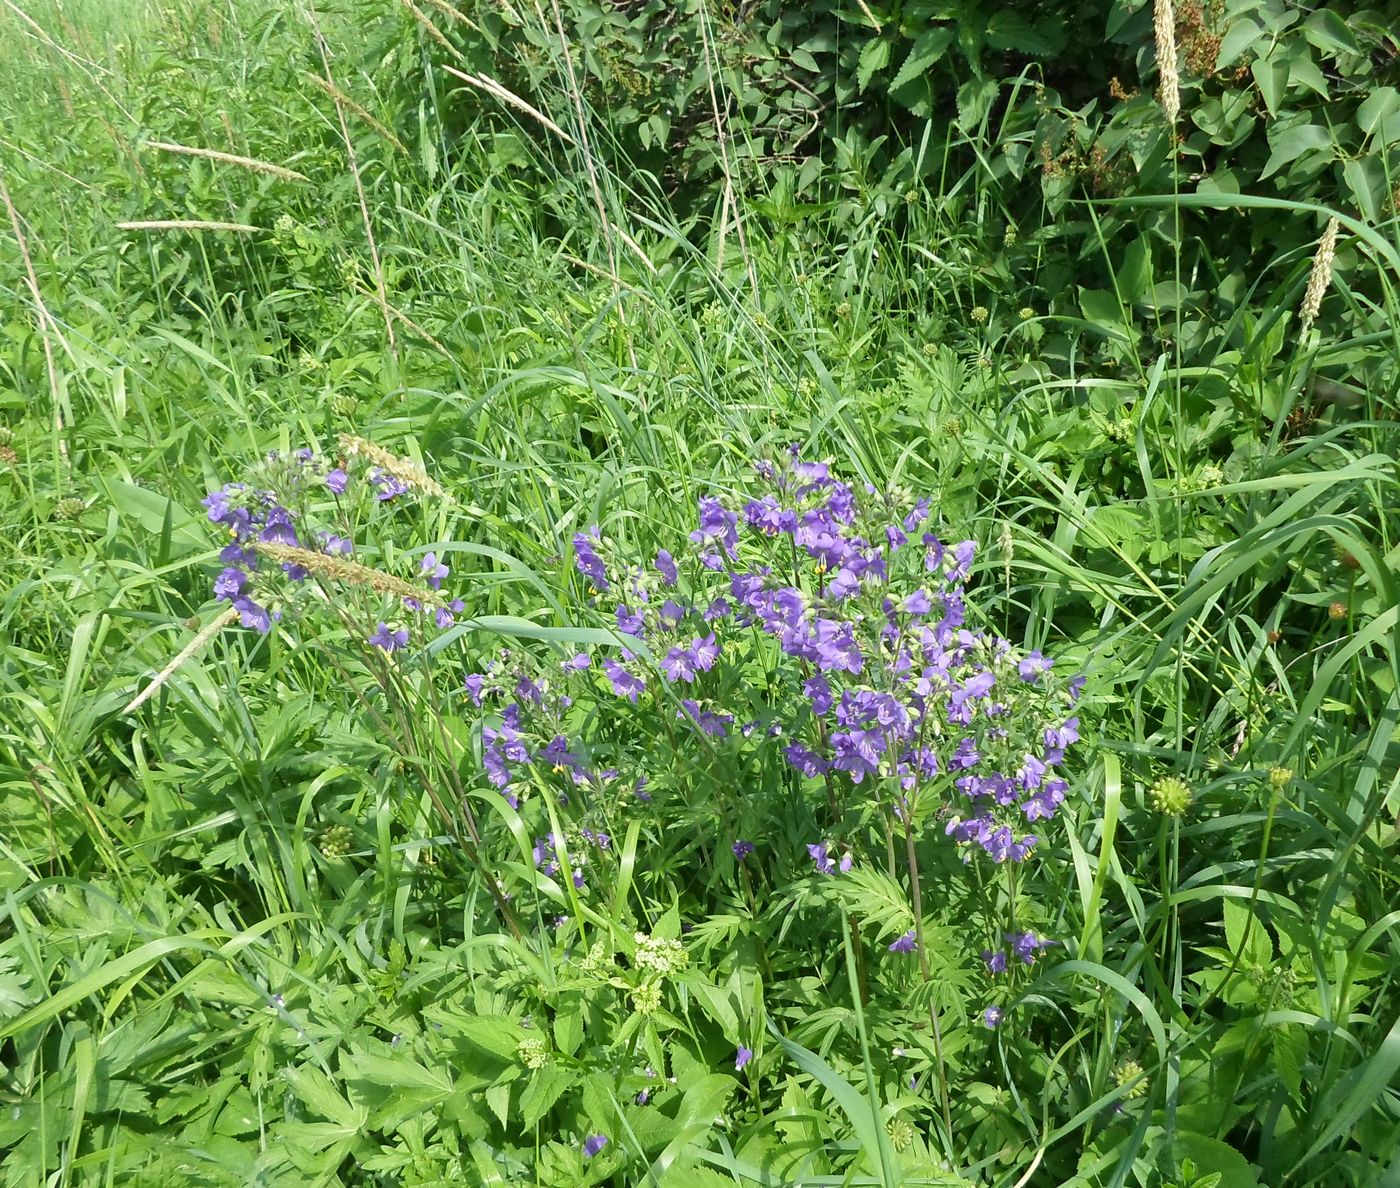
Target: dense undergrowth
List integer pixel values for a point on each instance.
(867, 658)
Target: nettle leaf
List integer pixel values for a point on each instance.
(928, 48)
(875, 56)
(1010, 30)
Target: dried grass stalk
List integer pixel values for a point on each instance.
(345, 101)
(401, 468)
(483, 82)
(1169, 87)
(1320, 276)
(229, 159)
(203, 637)
(183, 225)
(344, 571)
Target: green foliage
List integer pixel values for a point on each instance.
(238, 942)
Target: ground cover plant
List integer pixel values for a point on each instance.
(698, 594)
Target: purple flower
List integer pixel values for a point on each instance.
(716, 524)
(708, 721)
(628, 622)
(991, 1017)
(903, 944)
(996, 962)
(337, 480)
(593, 1144)
(742, 1057)
(821, 857)
(390, 486)
(1076, 687)
(278, 529)
(666, 566)
(624, 684)
(443, 616)
(588, 561)
(252, 615)
(229, 584)
(432, 571)
(1031, 668)
(917, 603)
(742, 849)
(1025, 945)
(705, 650)
(473, 685)
(579, 662)
(389, 639)
(679, 664)
(807, 762)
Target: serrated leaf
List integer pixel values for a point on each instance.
(928, 47)
(1290, 1045)
(545, 1087)
(874, 56)
(1010, 30)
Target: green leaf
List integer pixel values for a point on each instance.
(1271, 76)
(874, 56)
(1213, 1157)
(975, 98)
(928, 48)
(1288, 144)
(1009, 30)
(1329, 33)
(316, 1090)
(1376, 111)
(545, 1087)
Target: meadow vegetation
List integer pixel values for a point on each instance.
(649, 593)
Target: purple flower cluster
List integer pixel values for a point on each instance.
(273, 511)
(876, 678)
(894, 685)
(1021, 945)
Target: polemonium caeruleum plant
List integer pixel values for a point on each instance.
(850, 615)
(810, 638)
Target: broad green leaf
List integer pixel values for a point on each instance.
(874, 57)
(928, 48)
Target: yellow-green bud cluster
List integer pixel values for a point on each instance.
(1130, 1073)
(336, 840)
(1170, 796)
(532, 1052)
(646, 998)
(901, 1134)
(598, 959)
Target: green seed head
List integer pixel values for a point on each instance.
(1280, 778)
(336, 841)
(68, 509)
(343, 404)
(901, 1134)
(1127, 1072)
(1170, 796)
